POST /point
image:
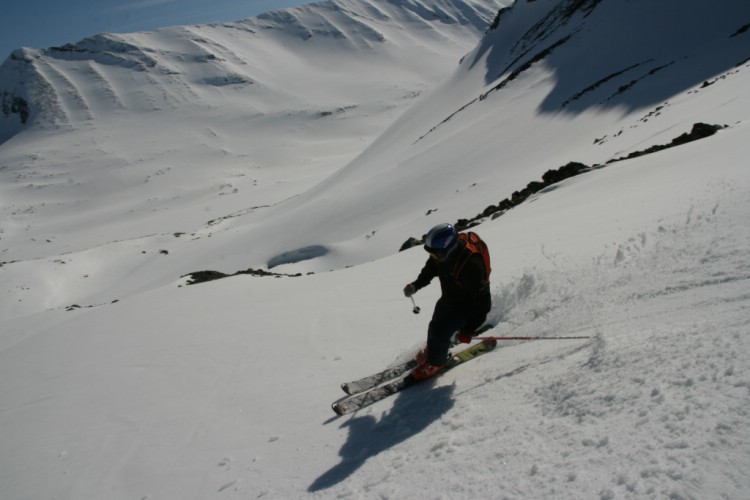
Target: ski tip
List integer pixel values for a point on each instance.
(345, 388)
(338, 409)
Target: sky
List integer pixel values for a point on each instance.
(47, 23)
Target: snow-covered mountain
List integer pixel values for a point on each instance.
(319, 139)
(242, 90)
(532, 73)
(283, 99)
(283, 60)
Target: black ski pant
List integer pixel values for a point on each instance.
(448, 318)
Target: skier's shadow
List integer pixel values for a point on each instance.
(412, 412)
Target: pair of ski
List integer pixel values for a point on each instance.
(374, 388)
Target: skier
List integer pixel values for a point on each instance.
(461, 262)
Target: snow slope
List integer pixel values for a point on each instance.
(118, 380)
(153, 143)
(226, 99)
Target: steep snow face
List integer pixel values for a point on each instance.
(285, 99)
(662, 49)
(221, 390)
(553, 82)
(304, 160)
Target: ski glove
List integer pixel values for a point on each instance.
(463, 337)
(410, 290)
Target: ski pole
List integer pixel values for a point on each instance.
(416, 307)
(531, 338)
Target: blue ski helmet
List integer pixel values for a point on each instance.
(441, 239)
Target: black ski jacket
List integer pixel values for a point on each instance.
(469, 290)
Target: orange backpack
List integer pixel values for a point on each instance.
(474, 245)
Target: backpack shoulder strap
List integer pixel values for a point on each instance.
(474, 245)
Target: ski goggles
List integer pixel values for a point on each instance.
(436, 254)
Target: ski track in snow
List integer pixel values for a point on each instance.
(670, 421)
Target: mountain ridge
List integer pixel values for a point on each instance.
(218, 55)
